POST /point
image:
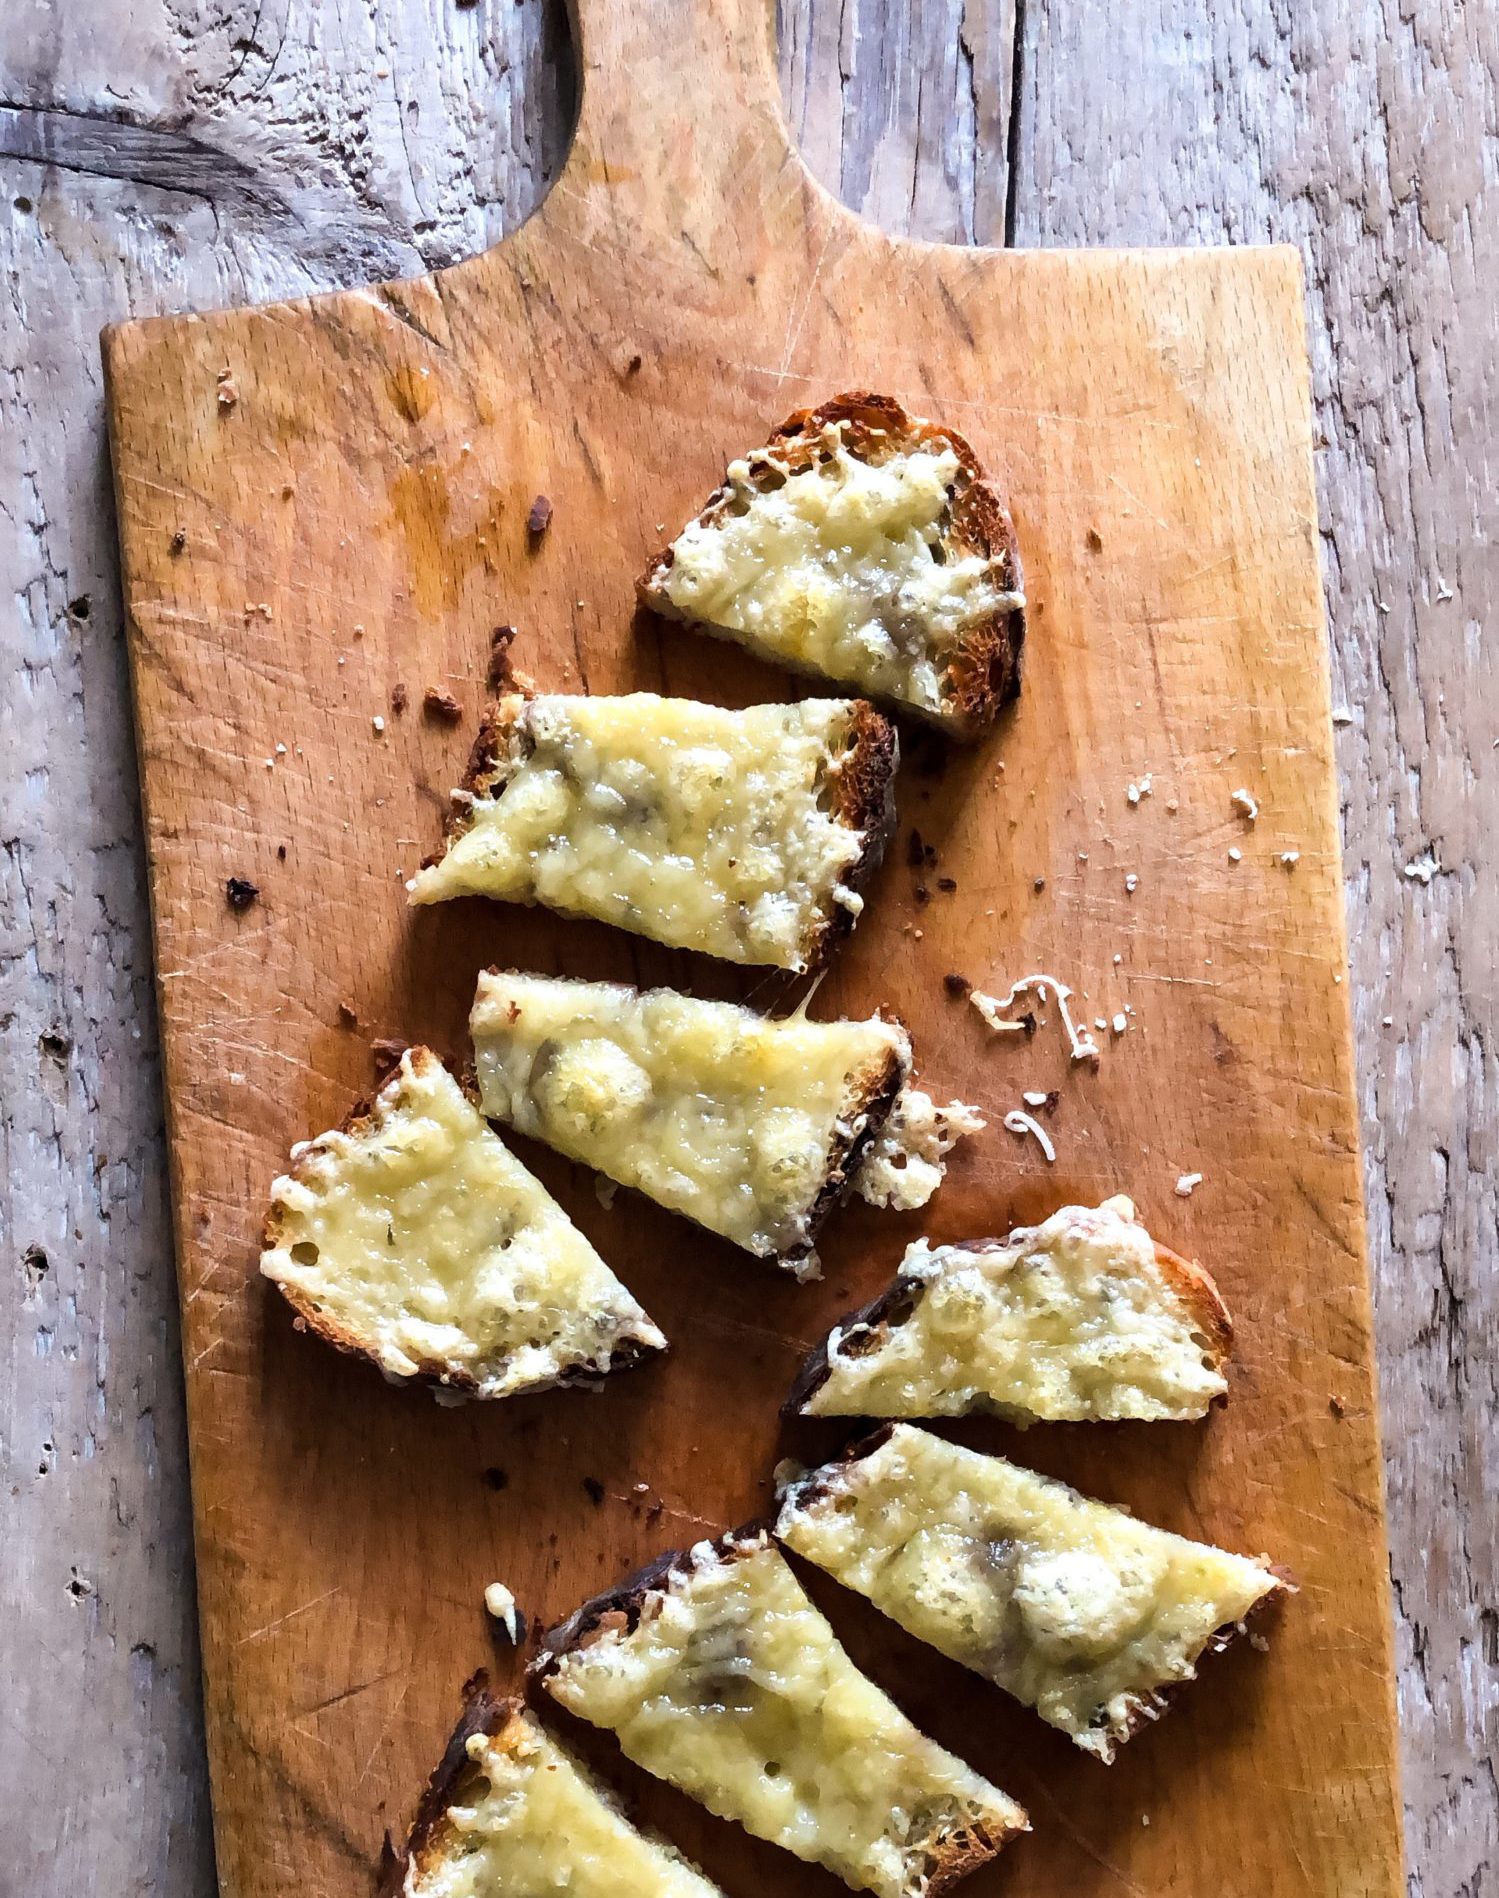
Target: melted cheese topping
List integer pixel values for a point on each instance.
(424, 1238)
(529, 1821)
(1074, 1608)
(734, 1688)
(1072, 1320)
(735, 1121)
(840, 570)
(702, 828)
(906, 1164)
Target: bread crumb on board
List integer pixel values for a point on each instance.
(500, 1604)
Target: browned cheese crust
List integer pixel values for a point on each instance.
(984, 673)
(866, 1328)
(361, 1118)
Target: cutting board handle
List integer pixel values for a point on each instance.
(680, 115)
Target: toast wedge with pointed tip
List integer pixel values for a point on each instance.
(410, 1235)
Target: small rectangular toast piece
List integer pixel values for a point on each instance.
(747, 835)
(511, 1813)
(864, 545)
(410, 1235)
(754, 1128)
(1084, 1318)
(717, 1674)
(1075, 1608)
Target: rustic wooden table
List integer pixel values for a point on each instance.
(208, 151)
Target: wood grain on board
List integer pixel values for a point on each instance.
(320, 502)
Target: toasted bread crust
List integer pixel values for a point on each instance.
(451, 1379)
(500, 744)
(866, 1327)
(863, 799)
(482, 1713)
(1204, 1302)
(874, 1101)
(864, 802)
(983, 675)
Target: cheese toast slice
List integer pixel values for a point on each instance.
(746, 835)
(510, 1813)
(1075, 1608)
(753, 1128)
(717, 1673)
(1082, 1318)
(412, 1236)
(864, 545)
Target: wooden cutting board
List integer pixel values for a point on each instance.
(324, 501)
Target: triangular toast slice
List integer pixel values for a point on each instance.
(866, 546)
(1075, 1608)
(412, 1236)
(1082, 1318)
(510, 1813)
(754, 1128)
(717, 1673)
(742, 834)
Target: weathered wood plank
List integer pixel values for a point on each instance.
(268, 149)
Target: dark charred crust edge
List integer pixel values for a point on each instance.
(863, 801)
(963, 1850)
(874, 1101)
(500, 746)
(984, 674)
(869, 1325)
(482, 1713)
(627, 1599)
(626, 1352)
